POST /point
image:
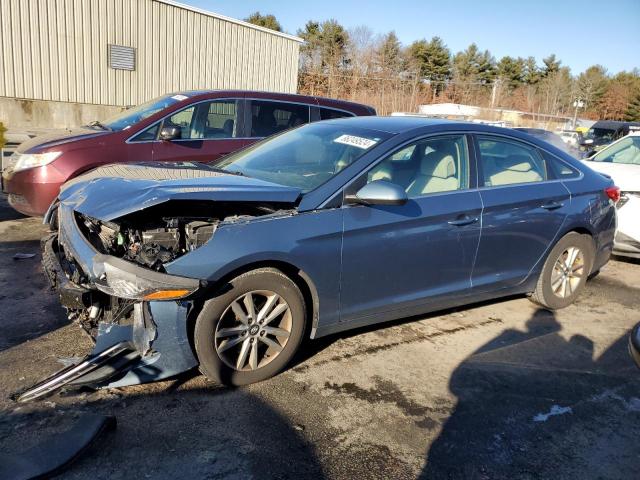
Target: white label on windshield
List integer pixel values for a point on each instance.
(179, 97)
(354, 141)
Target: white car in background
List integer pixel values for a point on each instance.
(621, 161)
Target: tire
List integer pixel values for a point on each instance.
(556, 290)
(226, 319)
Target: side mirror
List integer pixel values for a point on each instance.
(170, 133)
(379, 192)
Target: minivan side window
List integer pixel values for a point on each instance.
(505, 162)
(432, 165)
(269, 118)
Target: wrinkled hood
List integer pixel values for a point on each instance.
(625, 176)
(60, 137)
(112, 191)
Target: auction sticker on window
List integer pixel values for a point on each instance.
(355, 141)
(179, 97)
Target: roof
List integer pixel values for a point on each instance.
(395, 124)
(229, 19)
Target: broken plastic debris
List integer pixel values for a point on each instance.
(23, 256)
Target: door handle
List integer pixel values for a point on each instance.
(552, 205)
(460, 222)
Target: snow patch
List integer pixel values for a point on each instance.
(555, 410)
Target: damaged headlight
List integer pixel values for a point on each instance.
(24, 161)
(124, 280)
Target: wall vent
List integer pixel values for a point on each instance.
(122, 58)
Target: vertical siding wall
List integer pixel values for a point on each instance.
(57, 50)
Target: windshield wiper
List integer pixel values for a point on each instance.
(98, 124)
(222, 170)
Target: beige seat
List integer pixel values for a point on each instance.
(514, 169)
(437, 174)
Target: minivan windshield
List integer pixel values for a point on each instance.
(134, 115)
(605, 134)
(305, 157)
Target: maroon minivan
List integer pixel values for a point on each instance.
(187, 126)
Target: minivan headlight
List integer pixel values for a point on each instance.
(24, 161)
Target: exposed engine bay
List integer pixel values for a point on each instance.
(160, 234)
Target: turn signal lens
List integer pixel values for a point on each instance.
(167, 294)
(613, 193)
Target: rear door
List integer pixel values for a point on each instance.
(210, 129)
(524, 207)
(269, 117)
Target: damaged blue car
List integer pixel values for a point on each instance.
(327, 227)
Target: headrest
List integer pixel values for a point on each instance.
(437, 164)
(518, 163)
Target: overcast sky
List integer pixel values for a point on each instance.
(580, 33)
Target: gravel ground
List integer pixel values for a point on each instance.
(498, 390)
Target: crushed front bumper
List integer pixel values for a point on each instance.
(153, 346)
(634, 344)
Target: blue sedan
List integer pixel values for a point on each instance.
(324, 228)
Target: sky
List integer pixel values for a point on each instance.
(580, 33)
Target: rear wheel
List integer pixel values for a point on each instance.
(251, 331)
(565, 271)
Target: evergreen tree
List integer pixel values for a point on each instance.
(267, 21)
(432, 59)
(551, 65)
(389, 53)
(511, 71)
(632, 114)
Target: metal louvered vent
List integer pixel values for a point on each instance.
(122, 58)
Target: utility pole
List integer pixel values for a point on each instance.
(577, 103)
(494, 92)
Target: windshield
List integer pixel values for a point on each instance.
(306, 157)
(605, 134)
(134, 115)
(626, 151)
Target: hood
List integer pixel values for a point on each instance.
(112, 191)
(625, 176)
(60, 137)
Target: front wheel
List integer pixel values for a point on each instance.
(565, 271)
(250, 331)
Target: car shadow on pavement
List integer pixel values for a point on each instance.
(212, 432)
(532, 404)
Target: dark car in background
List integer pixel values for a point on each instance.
(604, 132)
(327, 227)
(197, 126)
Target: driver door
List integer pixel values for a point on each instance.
(400, 260)
(209, 130)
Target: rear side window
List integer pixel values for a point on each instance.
(330, 113)
(506, 162)
(558, 168)
(269, 118)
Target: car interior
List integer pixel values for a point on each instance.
(428, 167)
(506, 163)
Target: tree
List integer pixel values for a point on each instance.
(592, 85)
(2, 139)
(432, 60)
(531, 72)
(632, 113)
(551, 65)
(267, 21)
(389, 54)
(511, 71)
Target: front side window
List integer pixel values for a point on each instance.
(269, 118)
(433, 165)
(306, 157)
(625, 151)
(207, 120)
(505, 162)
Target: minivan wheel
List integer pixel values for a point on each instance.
(251, 330)
(565, 271)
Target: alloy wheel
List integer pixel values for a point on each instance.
(567, 272)
(253, 330)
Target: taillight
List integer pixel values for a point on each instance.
(613, 193)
